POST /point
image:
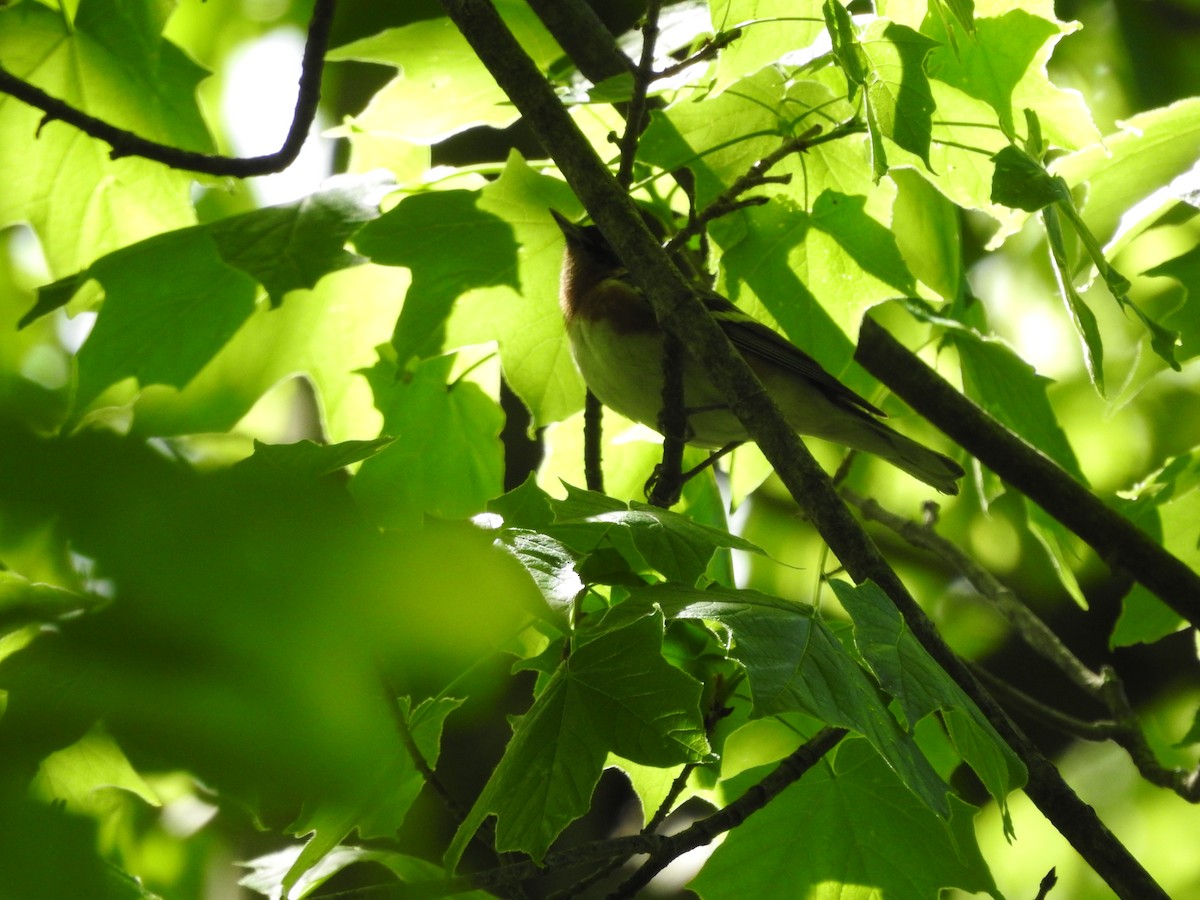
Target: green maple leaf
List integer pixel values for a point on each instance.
(112, 63)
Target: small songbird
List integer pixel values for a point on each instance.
(617, 344)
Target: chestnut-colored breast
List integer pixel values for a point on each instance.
(593, 292)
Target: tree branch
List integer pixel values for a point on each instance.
(635, 114)
(681, 311)
(711, 47)
(1032, 630)
(581, 33)
(668, 477)
(1123, 729)
(1117, 540)
(126, 143)
(661, 849)
(703, 832)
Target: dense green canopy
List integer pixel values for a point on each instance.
(310, 556)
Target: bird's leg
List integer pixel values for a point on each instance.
(662, 491)
(654, 484)
(666, 482)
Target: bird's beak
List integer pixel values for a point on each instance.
(570, 230)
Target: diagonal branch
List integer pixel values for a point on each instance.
(662, 849)
(1117, 540)
(126, 143)
(1104, 686)
(581, 33)
(681, 311)
(703, 832)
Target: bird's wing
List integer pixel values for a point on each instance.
(754, 339)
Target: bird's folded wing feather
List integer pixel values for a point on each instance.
(755, 339)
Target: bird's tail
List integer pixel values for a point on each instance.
(935, 469)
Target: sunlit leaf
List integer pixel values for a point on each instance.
(795, 664)
(173, 301)
(1008, 388)
(1167, 507)
(446, 459)
(614, 693)
(919, 684)
(722, 138)
(161, 323)
(442, 88)
(815, 273)
(899, 103)
(770, 30)
(1124, 172)
(112, 62)
(451, 246)
(906, 850)
(329, 335)
(76, 775)
(522, 315)
(931, 237)
(1004, 65)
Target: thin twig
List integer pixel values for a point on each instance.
(485, 835)
(1047, 885)
(661, 849)
(731, 199)
(418, 759)
(668, 802)
(703, 832)
(635, 113)
(710, 48)
(717, 711)
(126, 143)
(667, 480)
(1099, 730)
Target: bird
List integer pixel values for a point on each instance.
(617, 345)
